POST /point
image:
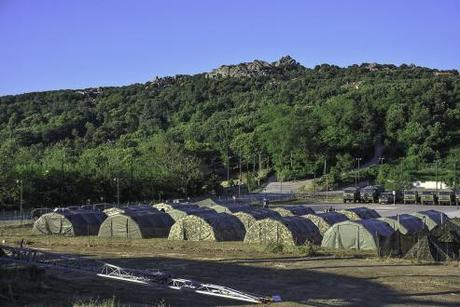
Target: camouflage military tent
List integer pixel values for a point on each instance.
(248, 218)
(177, 214)
(207, 226)
(431, 218)
(69, 222)
(427, 248)
(360, 213)
(410, 228)
(136, 222)
(294, 210)
(448, 236)
(370, 234)
(325, 220)
(288, 230)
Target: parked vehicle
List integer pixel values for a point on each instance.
(390, 197)
(446, 197)
(386, 197)
(457, 197)
(411, 197)
(429, 198)
(37, 212)
(370, 194)
(351, 194)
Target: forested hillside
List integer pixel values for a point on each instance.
(175, 136)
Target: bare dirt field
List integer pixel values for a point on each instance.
(321, 278)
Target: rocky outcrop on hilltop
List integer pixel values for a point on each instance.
(255, 68)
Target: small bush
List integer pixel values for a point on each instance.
(308, 250)
(274, 247)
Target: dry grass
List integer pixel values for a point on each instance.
(302, 276)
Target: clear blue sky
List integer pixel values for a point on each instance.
(46, 44)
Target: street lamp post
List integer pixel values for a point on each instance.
(21, 190)
(117, 180)
(455, 174)
(358, 160)
(436, 165)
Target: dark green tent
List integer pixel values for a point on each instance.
(409, 228)
(69, 222)
(136, 223)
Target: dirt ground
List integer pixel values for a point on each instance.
(326, 279)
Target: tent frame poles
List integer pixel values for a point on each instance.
(65, 263)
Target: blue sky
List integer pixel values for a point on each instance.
(52, 44)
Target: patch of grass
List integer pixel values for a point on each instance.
(94, 302)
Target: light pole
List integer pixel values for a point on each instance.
(358, 160)
(21, 189)
(436, 165)
(455, 174)
(117, 180)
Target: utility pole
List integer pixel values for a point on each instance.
(241, 179)
(359, 161)
(436, 165)
(455, 174)
(61, 187)
(117, 180)
(228, 166)
(21, 190)
(401, 172)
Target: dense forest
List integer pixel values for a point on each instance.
(184, 135)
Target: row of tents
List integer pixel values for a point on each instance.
(355, 228)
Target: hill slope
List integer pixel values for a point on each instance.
(174, 135)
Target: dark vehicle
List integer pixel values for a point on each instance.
(351, 194)
(446, 197)
(37, 212)
(428, 198)
(370, 194)
(457, 197)
(410, 197)
(386, 198)
(390, 197)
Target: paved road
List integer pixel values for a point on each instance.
(389, 210)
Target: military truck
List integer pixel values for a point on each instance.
(390, 197)
(351, 194)
(428, 198)
(411, 197)
(371, 193)
(446, 197)
(386, 197)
